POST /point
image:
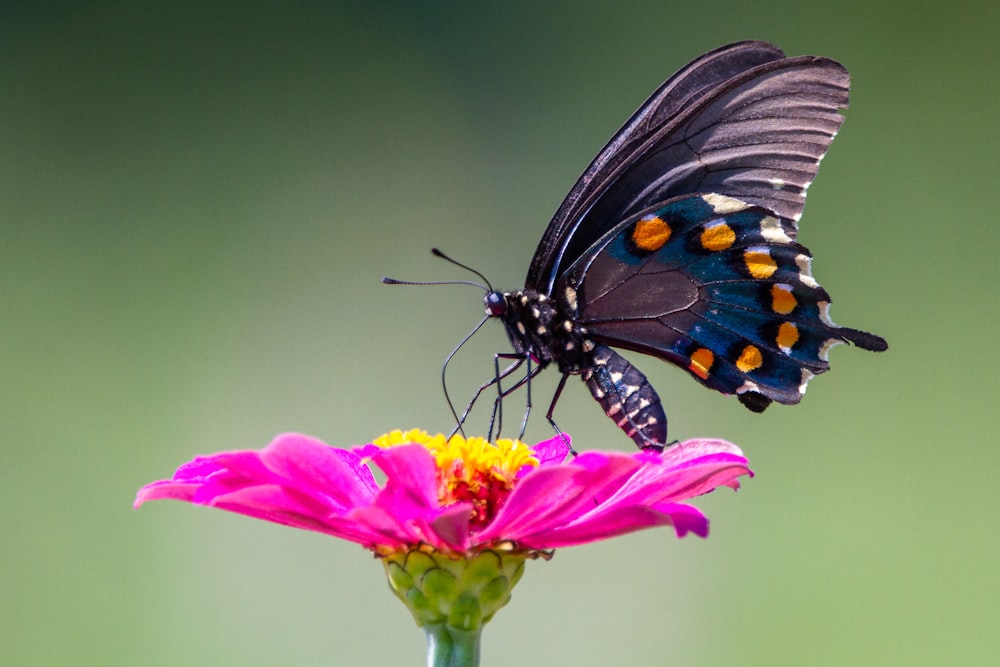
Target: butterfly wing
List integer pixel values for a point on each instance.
(718, 287)
(742, 121)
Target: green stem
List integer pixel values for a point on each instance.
(451, 647)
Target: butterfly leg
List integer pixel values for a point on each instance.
(552, 408)
(504, 393)
(496, 417)
(627, 397)
(527, 403)
(498, 375)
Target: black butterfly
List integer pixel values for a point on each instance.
(679, 242)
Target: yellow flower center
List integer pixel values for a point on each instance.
(471, 470)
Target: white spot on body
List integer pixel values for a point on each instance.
(570, 295)
(777, 183)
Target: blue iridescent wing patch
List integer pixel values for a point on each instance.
(718, 287)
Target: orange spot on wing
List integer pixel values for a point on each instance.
(701, 361)
(651, 233)
(782, 300)
(788, 335)
(759, 263)
(750, 359)
(717, 236)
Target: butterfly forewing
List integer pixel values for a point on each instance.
(757, 136)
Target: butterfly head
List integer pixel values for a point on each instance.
(496, 304)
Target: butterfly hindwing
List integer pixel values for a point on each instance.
(717, 286)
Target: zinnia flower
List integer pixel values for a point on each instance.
(457, 517)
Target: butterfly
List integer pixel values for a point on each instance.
(679, 242)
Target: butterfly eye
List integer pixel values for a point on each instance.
(496, 304)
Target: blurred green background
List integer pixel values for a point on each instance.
(197, 201)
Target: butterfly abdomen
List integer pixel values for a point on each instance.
(627, 397)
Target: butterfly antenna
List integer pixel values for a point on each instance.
(444, 370)
(394, 281)
(451, 355)
(437, 253)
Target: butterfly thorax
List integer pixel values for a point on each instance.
(542, 327)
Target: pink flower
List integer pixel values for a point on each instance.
(458, 495)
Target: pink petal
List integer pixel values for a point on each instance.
(553, 450)
(604, 494)
(408, 505)
(296, 481)
(556, 494)
(299, 481)
(622, 520)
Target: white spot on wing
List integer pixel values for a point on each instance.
(828, 344)
(722, 204)
(771, 229)
(806, 376)
(804, 262)
(824, 314)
